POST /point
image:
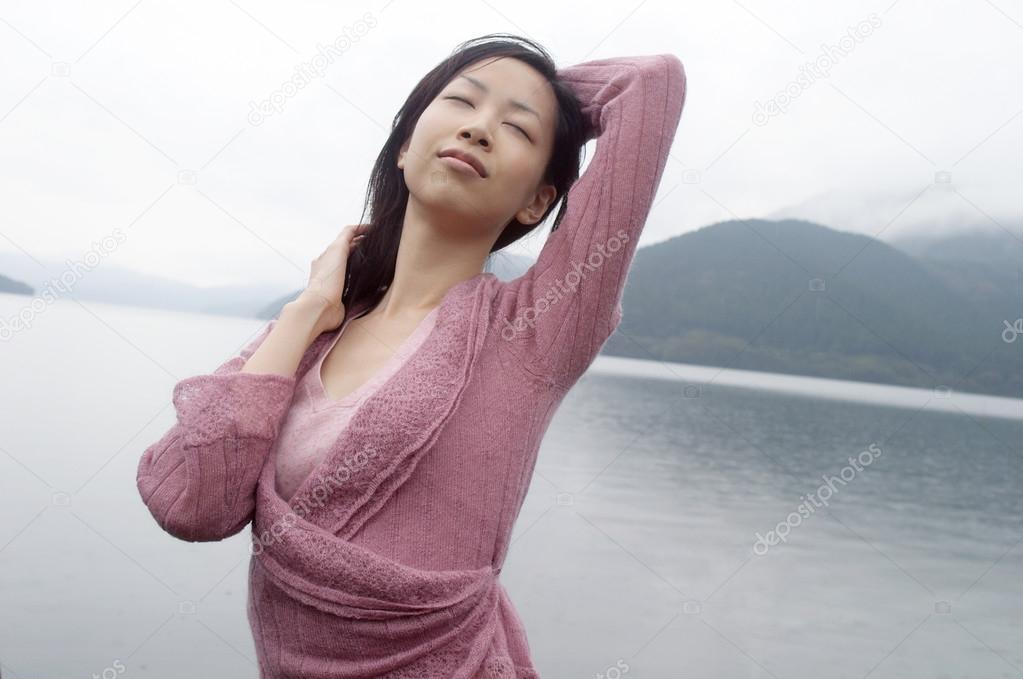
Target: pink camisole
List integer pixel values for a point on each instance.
(315, 420)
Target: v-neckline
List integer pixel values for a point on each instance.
(356, 396)
(441, 395)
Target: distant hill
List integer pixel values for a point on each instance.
(985, 267)
(115, 285)
(796, 297)
(14, 287)
(995, 249)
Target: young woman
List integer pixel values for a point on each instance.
(380, 434)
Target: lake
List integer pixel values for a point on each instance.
(683, 521)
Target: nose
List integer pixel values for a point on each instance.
(471, 132)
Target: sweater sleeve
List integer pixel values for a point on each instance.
(199, 479)
(563, 309)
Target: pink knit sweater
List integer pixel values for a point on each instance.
(315, 420)
(386, 561)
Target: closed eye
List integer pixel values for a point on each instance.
(524, 133)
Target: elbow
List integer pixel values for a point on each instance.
(678, 82)
(667, 70)
(186, 490)
(189, 529)
(182, 517)
(664, 64)
(673, 63)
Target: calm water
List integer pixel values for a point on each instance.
(633, 555)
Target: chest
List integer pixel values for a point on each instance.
(365, 347)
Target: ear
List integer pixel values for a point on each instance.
(402, 152)
(542, 199)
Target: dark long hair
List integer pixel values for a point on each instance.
(371, 265)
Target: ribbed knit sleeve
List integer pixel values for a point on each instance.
(569, 302)
(199, 479)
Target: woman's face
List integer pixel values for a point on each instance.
(502, 112)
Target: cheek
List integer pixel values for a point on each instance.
(418, 148)
(522, 173)
(432, 123)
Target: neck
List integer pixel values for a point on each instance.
(432, 257)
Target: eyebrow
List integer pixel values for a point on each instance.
(514, 102)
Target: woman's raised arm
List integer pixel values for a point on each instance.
(559, 313)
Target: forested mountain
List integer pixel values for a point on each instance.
(797, 297)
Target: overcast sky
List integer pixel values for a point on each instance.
(137, 116)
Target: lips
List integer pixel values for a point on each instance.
(467, 157)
